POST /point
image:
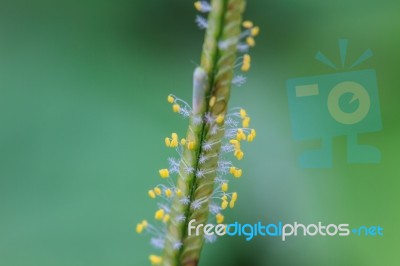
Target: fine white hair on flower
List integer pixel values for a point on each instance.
(203, 6)
(207, 146)
(214, 130)
(177, 245)
(157, 242)
(208, 118)
(227, 148)
(180, 218)
(164, 207)
(242, 47)
(214, 208)
(188, 169)
(197, 119)
(201, 22)
(185, 200)
(196, 204)
(223, 45)
(210, 238)
(203, 158)
(200, 173)
(173, 165)
(239, 80)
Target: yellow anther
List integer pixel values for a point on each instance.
(234, 196)
(166, 218)
(224, 197)
(174, 136)
(167, 142)
(232, 170)
(224, 187)
(145, 224)
(164, 173)
(245, 67)
(198, 5)
(231, 204)
(168, 193)
(250, 41)
(157, 191)
(246, 122)
(237, 173)
(174, 143)
(253, 132)
(243, 113)
(220, 119)
(239, 155)
(152, 194)
(183, 142)
(250, 138)
(176, 108)
(191, 145)
(159, 214)
(239, 136)
(155, 260)
(212, 101)
(139, 228)
(220, 218)
(170, 99)
(246, 58)
(247, 24)
(178, 192)
(255, 31)
(224, 204)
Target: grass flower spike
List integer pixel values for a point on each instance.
(195, 184)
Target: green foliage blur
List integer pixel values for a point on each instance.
(83, 115)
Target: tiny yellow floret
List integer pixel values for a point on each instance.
(139, 228)
(245, 67)
(237, 173)
(243, 113)
(168, 193)
(191, 145)
(155, 260)
(159, 214)
(239, 155)
(212, 101)
(234, 196)
(164, 173)
(246, 58)
(224, 187)
(167, 142)
(166, 218)
(250, 41)
(183, 142)
(255, 31)
(198, 5)
(247, 24)
(157, 191)
(224, 204)
(170, 99)
(152, 194)
(174, 136)
(231, 204)
(224, 197)
(220, 119)
(178, 192)
(176, 108)
(220, 218)
(232, 170)
(246, 122)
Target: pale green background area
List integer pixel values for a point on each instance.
(83, 115)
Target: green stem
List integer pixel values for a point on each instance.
(212, 79)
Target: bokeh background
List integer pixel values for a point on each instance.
(83, 115)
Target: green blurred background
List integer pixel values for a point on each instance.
(83, 115)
